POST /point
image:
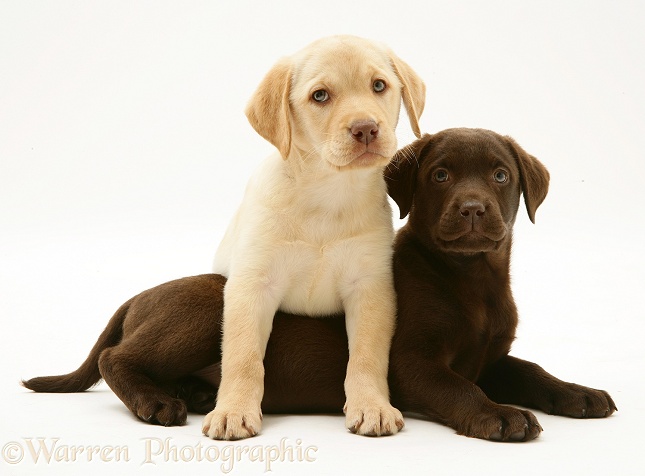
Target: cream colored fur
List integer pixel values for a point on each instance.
(313, 234)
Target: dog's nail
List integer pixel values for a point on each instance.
(497, 436)
(354, 427)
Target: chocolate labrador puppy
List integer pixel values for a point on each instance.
(449, 359)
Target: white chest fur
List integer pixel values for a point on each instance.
(309, 239)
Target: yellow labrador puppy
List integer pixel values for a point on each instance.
(313, 234)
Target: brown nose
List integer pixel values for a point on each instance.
(364, 131)
(472, 210)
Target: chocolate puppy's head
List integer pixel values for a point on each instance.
(462, 188)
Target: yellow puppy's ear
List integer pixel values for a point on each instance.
(413, 91)
(269, 112)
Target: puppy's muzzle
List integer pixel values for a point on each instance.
(472, 224)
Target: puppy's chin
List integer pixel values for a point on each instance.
(363, 161)
(368, 159)
(470, 243)
(359, 156)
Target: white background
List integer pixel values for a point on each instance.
(124, 151)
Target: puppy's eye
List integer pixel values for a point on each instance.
(320, 95)
(379, 86)
(500, 176)
(441, 176)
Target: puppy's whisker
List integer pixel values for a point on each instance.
(409, 153)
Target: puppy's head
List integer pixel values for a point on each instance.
(462, 188)
(338, 99)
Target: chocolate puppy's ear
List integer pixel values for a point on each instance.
(534, 178)
(401, 173)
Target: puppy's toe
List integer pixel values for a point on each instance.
(375, 420)
(580, 402)
(163, 410)
(199, 395)
(503, 423)
(232, 425)
(172, 413)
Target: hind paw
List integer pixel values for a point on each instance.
(165, 411)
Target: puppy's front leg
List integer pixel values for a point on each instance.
(249, 307)
(428, 386)
(513, 380)
(370, 314)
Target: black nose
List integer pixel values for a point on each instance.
(364, 131)
(472, 210)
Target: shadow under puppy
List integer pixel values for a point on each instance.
(456, 315)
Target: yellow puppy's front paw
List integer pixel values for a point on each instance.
(232, 424)
(373, 420)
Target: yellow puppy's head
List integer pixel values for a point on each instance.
(338, 99)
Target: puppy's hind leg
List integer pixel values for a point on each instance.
(152, 373)
(174, 330)
(198, 394)
(144, 398)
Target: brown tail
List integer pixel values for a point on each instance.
(88, 373)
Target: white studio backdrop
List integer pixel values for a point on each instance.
(124, 152)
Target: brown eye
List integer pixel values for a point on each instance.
(320, 95)
(379, 86)
(441, 176)
(500, 176)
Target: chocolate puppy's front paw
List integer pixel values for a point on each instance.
(577, 401)
(502, 423)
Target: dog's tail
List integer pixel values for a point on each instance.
(88, 373)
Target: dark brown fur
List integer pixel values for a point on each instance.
(456, 314)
